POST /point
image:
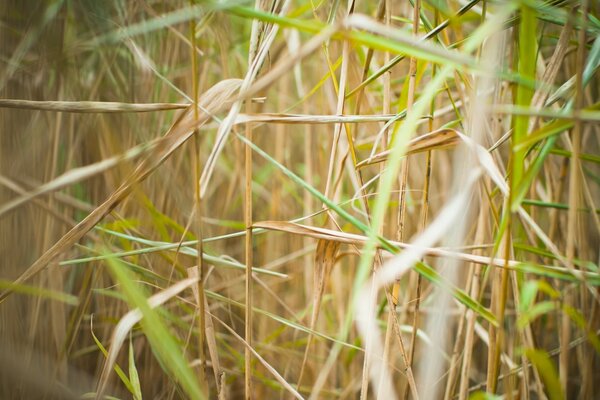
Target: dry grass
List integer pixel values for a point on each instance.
(299, 199)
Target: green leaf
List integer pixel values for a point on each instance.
(530, 290)
(537, 310)
(582, 324)
(133, 374)
(527, 64)
(592, 278)
(39, 292)
(545, 367)
(485, 396)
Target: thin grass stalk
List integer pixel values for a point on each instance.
(412, 83)
(307, 198)
(307, 204)
(55, 280)
(257, 26)
(574, 198)
(526, 67)
(467, 318)
(454, 366)
(90, 107)
(276, 211)
(467, 356)
(385, 6)
(249, 257)
(341, 104)
(335, 159)
(499, 296)
(380, 14)
(392, 301)
(329, 182)
(202, 368)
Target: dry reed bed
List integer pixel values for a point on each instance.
(299, 199)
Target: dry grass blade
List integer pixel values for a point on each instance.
(311, 119)
(74, 176)
(211, 341)
(215, 99)
(351, 238)
(90, 106)
(325, 256)
(436, 140)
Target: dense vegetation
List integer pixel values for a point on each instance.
(299, 199)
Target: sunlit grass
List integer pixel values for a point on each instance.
(310, 199)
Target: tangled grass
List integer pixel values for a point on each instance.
(299, 199)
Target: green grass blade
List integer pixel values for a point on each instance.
(527, 64)
(39, 292)
(120, 373)
(133, 374)
(161, 340)
(547, 371)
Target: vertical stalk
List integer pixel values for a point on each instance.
(470, 315)
(574, 199)
(307, 199)
(198, 221)
(412, 83)
(248, 252)
(249, 257)
(526, 67)
(387, 92)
